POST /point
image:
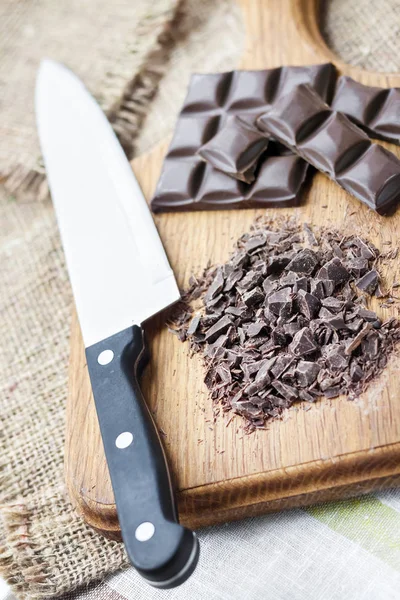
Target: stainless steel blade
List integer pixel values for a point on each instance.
(118, 268)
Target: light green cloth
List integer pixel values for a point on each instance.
(339, 551)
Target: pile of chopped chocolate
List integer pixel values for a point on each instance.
(285, 320)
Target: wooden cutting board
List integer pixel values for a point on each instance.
(336, 448)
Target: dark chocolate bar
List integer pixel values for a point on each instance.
(195, 185)
(187, 183)
(333, 144)
(376, 110)
(236, 149)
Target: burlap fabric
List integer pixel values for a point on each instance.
(106, 44)
(47, 550)
(364, 32)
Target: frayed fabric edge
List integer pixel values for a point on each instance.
(126, 116)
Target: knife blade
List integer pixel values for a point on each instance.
(120, 276)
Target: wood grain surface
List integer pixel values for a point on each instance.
(336, 448)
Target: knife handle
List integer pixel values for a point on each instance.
(163, 552)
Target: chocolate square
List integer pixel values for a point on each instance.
(187, 183)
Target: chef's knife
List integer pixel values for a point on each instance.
(120, 277)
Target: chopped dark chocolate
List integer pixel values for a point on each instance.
(307, 304)
(366, 250)
(370, 345)
(303, 343)
(367, 315)
(302, 283)
(356, 372)
(281, 363)
(369, 282)
(357, 266)
(304, 262)
(253, 297)
(333, 304)
(256, 241)
(287, 391)
(216, 286)
(218, 328)
(255, 328)
(306, 372)
(334, 271)
(322, 288)
(194, 323)
(311, 239)
(336, 321)
(250, 280)
(281, 302)
(232, 279)
(276, 264)
(335, 357)
(269, 339)
(261, 381)
(278, 337)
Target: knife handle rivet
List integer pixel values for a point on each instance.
(124, 440)
(144, 531)
(105, 357)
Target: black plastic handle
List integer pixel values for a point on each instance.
(164, 552)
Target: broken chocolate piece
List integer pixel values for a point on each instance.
(336, 321)
(194, 323)
(356, 372)
(250, 280)
(374, 109)
(255, 328)
(335, 357)
(304, 262)
(366, 251)
(261, 381)
(218, 329)
(306, 372)
(232, 279)
(280, 303)
(276, 264)
(256, 241)
(307, 304)
(253, 297)
(367, 315)
(303, 343)
(357, 266)
(302, 283)
(333, 304)
(370, 345)
(287, 391)
(369, 282)
(216, 286)
(281, 363)
(333, 144)
(334, 271)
